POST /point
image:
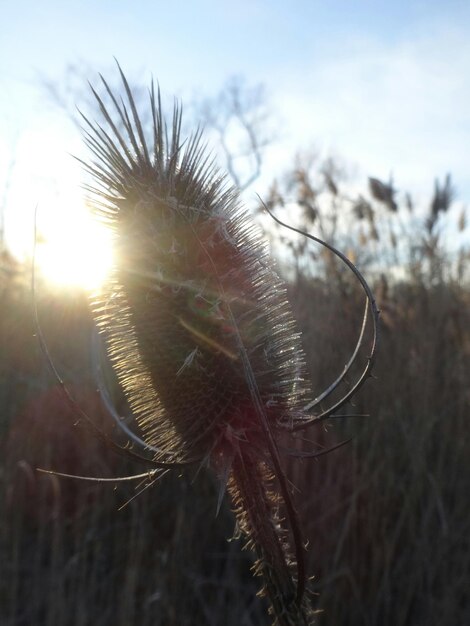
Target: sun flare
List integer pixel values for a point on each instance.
(75, 252)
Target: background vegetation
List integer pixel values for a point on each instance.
(387, 516)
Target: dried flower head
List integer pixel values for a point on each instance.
(199, 330)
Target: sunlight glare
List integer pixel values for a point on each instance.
(76, 252)
(73, 250)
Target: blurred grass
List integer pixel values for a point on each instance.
(387, 517)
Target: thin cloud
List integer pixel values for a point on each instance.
(400, 108)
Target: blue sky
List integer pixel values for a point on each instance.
(384, 85)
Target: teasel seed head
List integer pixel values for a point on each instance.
(198, 327)
(193, 301)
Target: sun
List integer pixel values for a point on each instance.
(74, 249)
(45, 193)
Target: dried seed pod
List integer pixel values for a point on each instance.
(198, 328)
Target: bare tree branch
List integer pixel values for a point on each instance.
(239, 118)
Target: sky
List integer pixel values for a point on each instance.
(385, 86)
